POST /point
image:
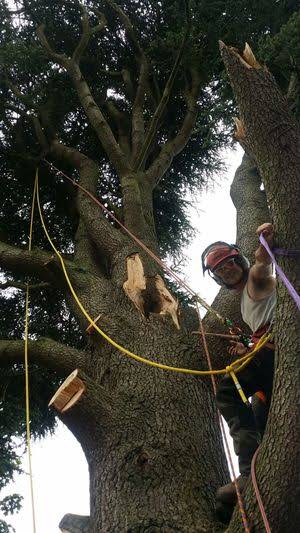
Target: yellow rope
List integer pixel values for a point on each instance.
(27, 402)
(230, 368)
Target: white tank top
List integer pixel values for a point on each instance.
(257, 313)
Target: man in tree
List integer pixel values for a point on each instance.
(229, 268)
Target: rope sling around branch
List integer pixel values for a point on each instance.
(230, 368)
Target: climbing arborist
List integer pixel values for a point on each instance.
(231, 269)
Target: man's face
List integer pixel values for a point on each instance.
(230, 272)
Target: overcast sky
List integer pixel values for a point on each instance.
(60, 470)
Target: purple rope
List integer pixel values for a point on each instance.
(280, 272)
(287, 252)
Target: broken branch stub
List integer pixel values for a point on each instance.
(149, 294)
(240, 132)
(247, 58)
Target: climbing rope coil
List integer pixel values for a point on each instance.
(234, 368)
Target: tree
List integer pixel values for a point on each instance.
(271, 135)
(110, 102)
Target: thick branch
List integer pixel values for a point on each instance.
(128, 83)
(127, 24)
(87, 32)
(40, 135)
(163, 102)
(95, 116)
(44, 352)
(122, 122)
(21, 261)
(273, 139)
(73, 523)
(138, 128)
(24, 98)
(250, 203)
(61, 59)
(102, 233)
(176, 145)
(23, 286)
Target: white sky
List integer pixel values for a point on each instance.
(61, 482)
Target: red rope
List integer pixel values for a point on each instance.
(213, 380)
(257, 494)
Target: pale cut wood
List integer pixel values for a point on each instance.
(68, 393)
(168, 304)
(74, 399)
(90, 327)
(135, 285)
(250, 57)
(240, 133)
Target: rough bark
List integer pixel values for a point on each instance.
(272, 137)
(156, 463)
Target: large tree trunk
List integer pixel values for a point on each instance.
(272, 136)
(150, 437)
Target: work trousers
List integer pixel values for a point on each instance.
(256, 376)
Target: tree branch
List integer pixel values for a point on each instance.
(40, 135)
(105, 237)
(127, 24)
(173, 147)
(23, 286)
(138, 128)
(128, 83)
(272, 136)
(25, 99)
(95, 116)
(87, 32)
(164, 100)
(122, 122)
(44, 352)
(21, 261)
(61, 59)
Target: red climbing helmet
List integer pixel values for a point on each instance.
(217, 253)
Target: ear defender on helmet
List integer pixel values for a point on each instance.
(216, 253)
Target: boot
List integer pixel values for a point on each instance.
(227, 493)
(224, 512)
